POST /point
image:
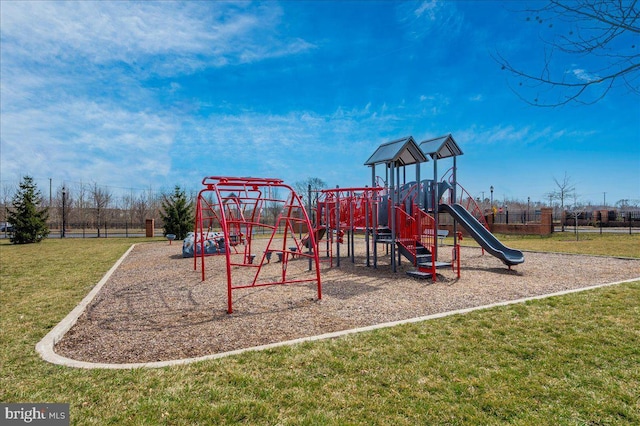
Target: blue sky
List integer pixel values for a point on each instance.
(138, 95)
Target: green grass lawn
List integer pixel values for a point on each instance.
(572, 360)
(623, 245)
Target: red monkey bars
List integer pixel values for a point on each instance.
(249, 211)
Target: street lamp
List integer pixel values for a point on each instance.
(491, 189)
(64, 195)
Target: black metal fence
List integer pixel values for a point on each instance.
(604, 218)
(517, 216)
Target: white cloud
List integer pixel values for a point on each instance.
(86, 140)
(436, 19)
(289, 146)
(583, 75)
(495, 135)
(427, 8)
(436, 104)
(188, 35)
(74, 99)
(518, 136)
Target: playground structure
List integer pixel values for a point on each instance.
(397, 213)
(402, 214)
(242, 209)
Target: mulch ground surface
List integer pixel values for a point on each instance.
(155, 307)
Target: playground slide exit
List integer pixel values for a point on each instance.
(485, 238)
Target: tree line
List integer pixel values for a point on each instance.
(81, 208)
(92, 208)
(89, 208)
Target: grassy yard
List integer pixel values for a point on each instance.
(569, 360)
(623, 245)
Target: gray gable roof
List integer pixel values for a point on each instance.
(401, 152)
(442, 147)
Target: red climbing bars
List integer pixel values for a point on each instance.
(243, 208)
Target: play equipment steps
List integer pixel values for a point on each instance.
(418, 254)
(383, 235)
(421, 257)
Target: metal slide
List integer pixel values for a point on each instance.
(485, 238)
(318, 234)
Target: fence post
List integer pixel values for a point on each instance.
(149, 228)
(546, 221)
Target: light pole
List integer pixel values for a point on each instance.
(491, 189)
(64, 196)
(528, 206)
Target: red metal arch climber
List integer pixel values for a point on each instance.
(259, 218)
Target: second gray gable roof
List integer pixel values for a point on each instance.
(442, 147)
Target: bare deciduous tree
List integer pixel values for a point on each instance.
(6, 192)
(127, 201)
(141, 207)
(566, 189)
(600, 38)
(80, 213)
(101, 199)
(576, 210)
(627, 203)
(302, 187)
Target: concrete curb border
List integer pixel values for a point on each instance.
(46, 346)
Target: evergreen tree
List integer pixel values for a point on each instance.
(177, 214)
(28, 218)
